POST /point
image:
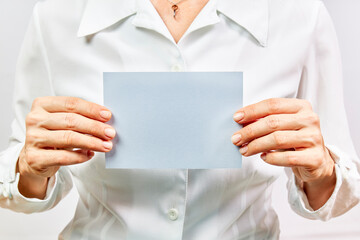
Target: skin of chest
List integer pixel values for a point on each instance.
(184, 16)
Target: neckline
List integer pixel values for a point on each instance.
(148, 17)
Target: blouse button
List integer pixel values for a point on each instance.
(173, 214)
(176, 68)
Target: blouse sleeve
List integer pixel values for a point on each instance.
(321, 84)
(33, 79)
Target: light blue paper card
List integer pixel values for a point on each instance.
(173, 119)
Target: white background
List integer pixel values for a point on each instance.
(14, 17)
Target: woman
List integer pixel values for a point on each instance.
(292, 81)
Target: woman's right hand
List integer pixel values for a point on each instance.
(60, 131)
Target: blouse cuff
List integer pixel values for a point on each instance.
(345, 195)
(30, 205)
(300, 204)
(10, 197)
(8, 162)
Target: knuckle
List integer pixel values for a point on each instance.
(316, 137)
(249, 132)
(71, 104)
(37, 102)
(306, 104)
(273, 104)
(291, 158)
(272, 122)
(279, 139)
(33, 118)
(29, 120)
(31, 136)
(299, 119)
(313, 119)
(68, 138)
(31, 157)
(70, 121)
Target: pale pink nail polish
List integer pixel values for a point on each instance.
(107, 145)
(110, 132)
(238, 116)
(105, 114)
(236, 138)
(243, 150)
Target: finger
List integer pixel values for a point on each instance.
(63, 139)
(280, 140)
(270, 106)
(308, 158)
(266, 126)
(74, 105)
(43, 159)
(78, 123)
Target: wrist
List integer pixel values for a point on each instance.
(319, 190)
(30, 184)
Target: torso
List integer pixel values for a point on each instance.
(185, 15)
(134, 203)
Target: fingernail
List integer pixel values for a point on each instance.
(236, 138)
(105, 114)
(263, 156)
(243, 150)
(110, 132)
(107, 145)
(238, 116)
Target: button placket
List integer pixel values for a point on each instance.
(175, 52)
(178, 61)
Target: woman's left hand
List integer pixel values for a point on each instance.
(287, 133)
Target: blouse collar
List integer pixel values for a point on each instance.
(252, 15)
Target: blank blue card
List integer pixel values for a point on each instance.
(173, 119)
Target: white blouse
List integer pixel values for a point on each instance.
(285, 49)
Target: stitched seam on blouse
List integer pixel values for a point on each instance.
(315, 21)
(186, 196)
